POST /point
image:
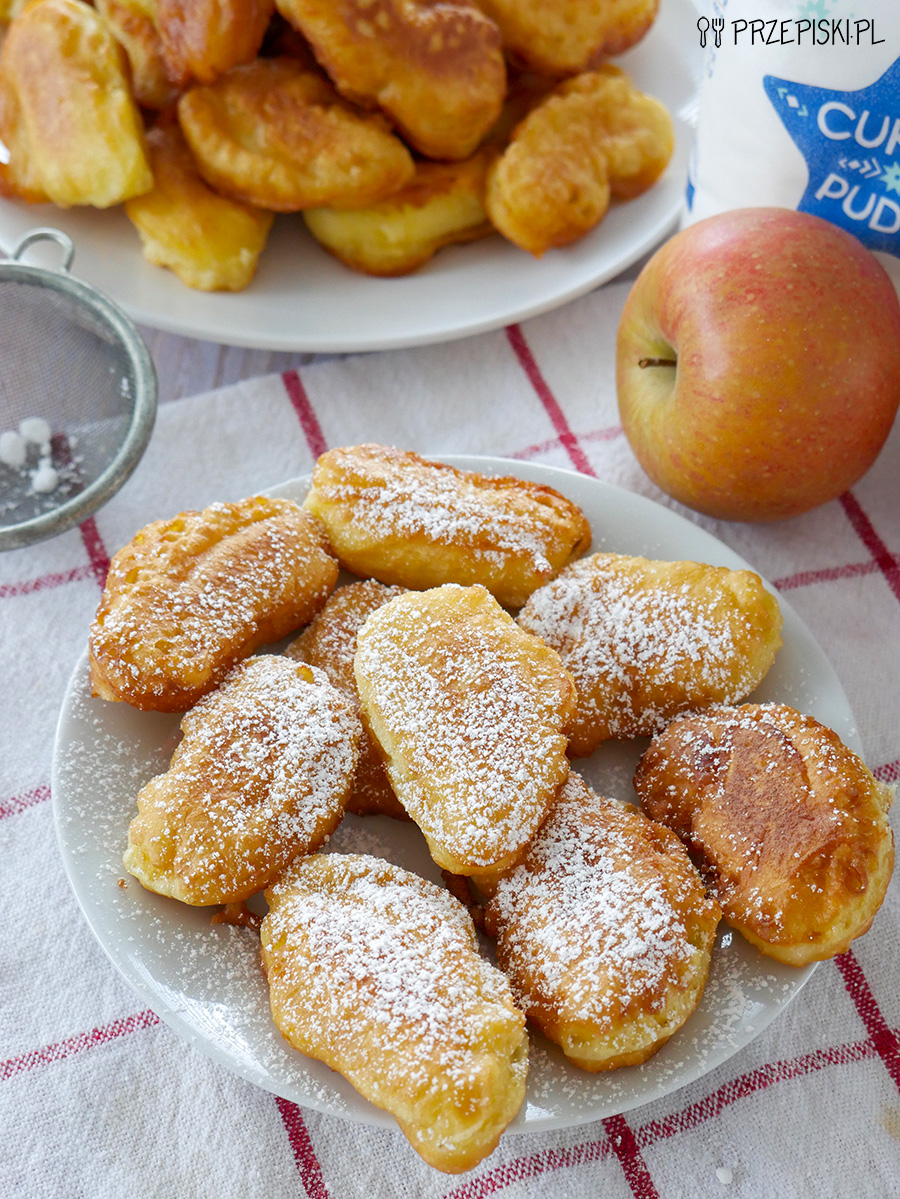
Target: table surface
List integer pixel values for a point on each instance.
(98, 1097)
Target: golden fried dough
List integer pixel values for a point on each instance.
(188, 598)
(604, 930)
(790, 826)
(261, 775)
(442, 205)
(67, 117)
(133, 23)
(551, 184)
(404, 519)
(636, 130)
(202, 39)
(377, 973)
(277, 136)
(470, 713)
(20, 173)
(435, 68)
(210, 242)
(594, 137)
(330, 644)
(565, 36)
(646, 640)
(9, 9)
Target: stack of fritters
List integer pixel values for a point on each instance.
(395, 126)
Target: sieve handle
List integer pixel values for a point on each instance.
(45, 234)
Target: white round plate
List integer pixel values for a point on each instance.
(205, 981)
(303, 299)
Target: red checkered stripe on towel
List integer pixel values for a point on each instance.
(622, 1138)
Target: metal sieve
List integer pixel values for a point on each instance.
(77, 396)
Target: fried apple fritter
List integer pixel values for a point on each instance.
(593, 138)
(329, 643)
(403, 519)
(436, 69)
(133, 23)
(377, 973)
(470, 713)
(566, 36)
(635, 129)
(646, 640)
(604, 930)
(67, 116)
(277, 136)
(210, 242)
(443, 205)
(20, 173)
(260, 776)
(188, 598)
(789, 825)
(202, 39)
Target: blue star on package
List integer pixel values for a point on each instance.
(800, 108)
(851, 143)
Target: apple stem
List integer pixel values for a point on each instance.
(643, 362)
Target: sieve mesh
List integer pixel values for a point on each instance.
(72, 359)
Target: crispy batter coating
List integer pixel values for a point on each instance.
(404, 519)
(565, 36)
(20, 171)
(133, 23)
(442, 205)
(645, 641)
(260, 776)
(604, 930)
(329, 643)
(435, 68)
(210, 242)
(10, 9)
(67, 115)
(277, 136)
(188, 598)
(470, 713)
(636, 130)
(377, 973)
(594, 137)
(789, 825)
(202, 39)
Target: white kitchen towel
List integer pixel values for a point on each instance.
(800, 108)
(99, 1099)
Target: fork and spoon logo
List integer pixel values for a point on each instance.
(717, 23)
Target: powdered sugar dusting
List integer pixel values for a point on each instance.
(645, 640)
(261, 775)
(188, 597)
(493, 518)
(376, 970)
(470, 710)
(598, 921)
(330, 641)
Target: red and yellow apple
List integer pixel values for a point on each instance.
(758, 363)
